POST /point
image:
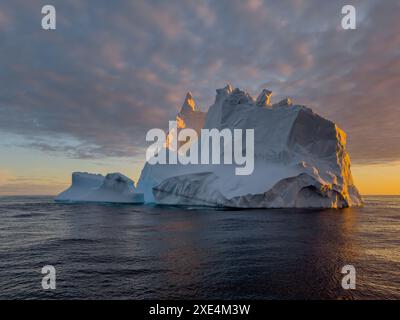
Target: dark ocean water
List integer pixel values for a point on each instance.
(143, 252)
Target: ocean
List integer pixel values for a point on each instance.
(157, 252)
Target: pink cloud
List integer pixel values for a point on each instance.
(5, 19)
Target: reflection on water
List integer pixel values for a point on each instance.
(142, 252)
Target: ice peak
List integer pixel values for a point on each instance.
(238, 96)
(263, 99)
(189, 103)
(227, 90)
(284, 103)
(223, 92)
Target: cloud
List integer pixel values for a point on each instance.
(113, 70)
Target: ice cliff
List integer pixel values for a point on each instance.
(113, 188)
(300, 159)
(188, 117)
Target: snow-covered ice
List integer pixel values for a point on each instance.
(112, 188)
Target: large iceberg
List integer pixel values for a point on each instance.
(300, 160)
(112, 188)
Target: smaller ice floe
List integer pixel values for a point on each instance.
(112, 188)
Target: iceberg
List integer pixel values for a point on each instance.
(112, 188)
(300, 159)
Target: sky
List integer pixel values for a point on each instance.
(83, 96)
